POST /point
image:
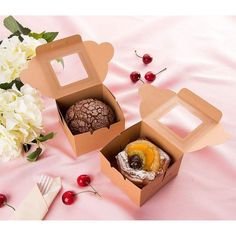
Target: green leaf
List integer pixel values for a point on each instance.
(49, 36)
(60, 60)
(17, 33)
(33, 156)
(26, 147)
(13, 25)
(6, 86)
(17, 29)
(43, 138)
(36, 35)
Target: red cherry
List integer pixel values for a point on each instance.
(3, 201)
(68, 197)
(83, 180)
(146, 58)
(135, 76)
(150, 76)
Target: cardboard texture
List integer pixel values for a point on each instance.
(154, 104)
(95, 58)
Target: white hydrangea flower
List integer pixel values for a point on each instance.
(21, 117)
(8, 146)
(15, 54)
(29, 45)
(20, 111)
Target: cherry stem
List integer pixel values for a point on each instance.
(135, 51)
(161, 71)
(141, 81)
(94, 189)
(87, 191)
(6, 204)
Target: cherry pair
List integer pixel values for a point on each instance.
(69, 197)
(149, 76)
(3, 201)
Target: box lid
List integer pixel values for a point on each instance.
(94, 57)
(157, 102)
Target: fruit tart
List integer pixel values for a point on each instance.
(141, 162)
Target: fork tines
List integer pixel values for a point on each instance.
(44, 183)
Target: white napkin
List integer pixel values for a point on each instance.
(36, 205)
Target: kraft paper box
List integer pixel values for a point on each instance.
(154, 104)
(95, 58)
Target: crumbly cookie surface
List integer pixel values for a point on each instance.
(89, 115)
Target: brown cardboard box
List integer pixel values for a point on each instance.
(95, 58)
(154, 104)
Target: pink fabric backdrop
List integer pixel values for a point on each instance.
(200, 53)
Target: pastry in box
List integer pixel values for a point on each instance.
(146, 156)
(88, 111)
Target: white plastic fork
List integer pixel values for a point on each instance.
(44, 183)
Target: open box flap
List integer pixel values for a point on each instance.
(95, 58)
(157, 102)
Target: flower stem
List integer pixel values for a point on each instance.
(161, 71)
(135, 51)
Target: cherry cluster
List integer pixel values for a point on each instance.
(150, 76)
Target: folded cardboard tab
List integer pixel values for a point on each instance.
(95, 58)
(205, 134)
